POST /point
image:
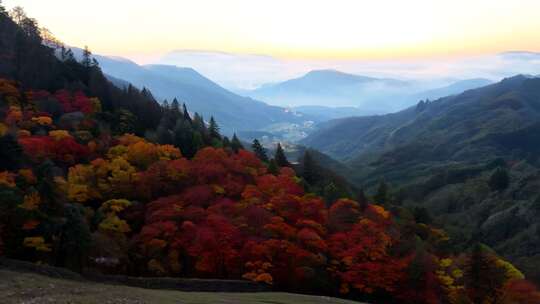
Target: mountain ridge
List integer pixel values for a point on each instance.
(391, 124)
(235, 113)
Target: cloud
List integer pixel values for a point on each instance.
(247, 71)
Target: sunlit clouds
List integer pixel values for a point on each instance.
(143, 30)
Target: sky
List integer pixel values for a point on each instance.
(301, 29)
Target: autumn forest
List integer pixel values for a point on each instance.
(101, 178)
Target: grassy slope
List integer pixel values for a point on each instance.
(20, 287)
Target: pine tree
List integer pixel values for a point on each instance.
(259, 150)
(87, 58)
(280, 158)
(381, 197)
(175, 108)
(499, 180)
(213, 129)
(198, 123)
(186, 113)
(236, 145)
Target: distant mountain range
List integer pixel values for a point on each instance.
(321, 90)
(230, 70)
(472, 126)
(319, 95)
(322, 113)
(235, 113)
(452, 89)
(331, 88)
(238, 72)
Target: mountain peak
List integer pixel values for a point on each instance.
(331, 74)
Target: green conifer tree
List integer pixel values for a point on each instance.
(175, 108)
(236, 145)
(186, 113)
(213, 129)
(259, 150)
(87, 57)
(280, 158)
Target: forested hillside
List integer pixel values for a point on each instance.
(470, 159)
(235, 113)
(102, 179)
(480, 119)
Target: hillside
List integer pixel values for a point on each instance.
(481, 116)
(17, 287)
(235, 113)
(442, 155)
